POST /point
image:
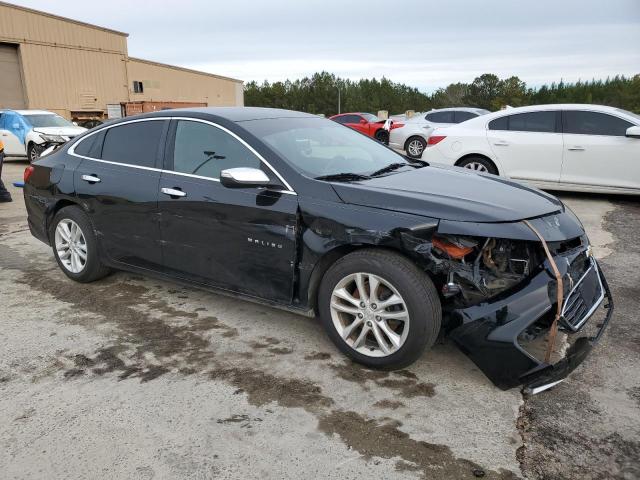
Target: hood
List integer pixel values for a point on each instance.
(64, 131)
(450, 194)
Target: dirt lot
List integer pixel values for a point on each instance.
(131, 377)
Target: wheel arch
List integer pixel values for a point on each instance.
(55, 208)
(328, 259)
(482, 155)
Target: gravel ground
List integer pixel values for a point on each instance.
(132, 377)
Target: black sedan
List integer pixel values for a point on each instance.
(302, 213)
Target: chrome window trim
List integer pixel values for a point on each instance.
(71, 151)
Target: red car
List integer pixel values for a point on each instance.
(366, 123)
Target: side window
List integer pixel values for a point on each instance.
(341, 119)
(462, 116)
(501, 123)
(440, 117)
(544, 122)
(594, 123)
(353, 119)
(84, 146)
(134, 143)
(205, 150)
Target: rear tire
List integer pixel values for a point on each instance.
(75, 246)
(393, 277)
(414, 146)
(479, 164)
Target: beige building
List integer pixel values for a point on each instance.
(78, 69)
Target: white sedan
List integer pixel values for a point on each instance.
(411, 134)
(587, 148)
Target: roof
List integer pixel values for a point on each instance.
(28, 112)
(235, 114)
(182, 69)
(462, 109)
(64, 19)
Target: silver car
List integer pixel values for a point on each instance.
(412, 136)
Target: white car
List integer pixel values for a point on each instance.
(26, 133)
(586, 148)
(412, 136)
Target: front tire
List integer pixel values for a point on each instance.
(414, 146)
(33, 152)
(382, 136)
(379, 309)
(75, 246)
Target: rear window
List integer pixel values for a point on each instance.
(134, 143)
(594, 123)
(462, 116)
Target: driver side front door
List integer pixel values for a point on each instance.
(242, 240)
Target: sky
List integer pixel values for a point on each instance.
(424, 44)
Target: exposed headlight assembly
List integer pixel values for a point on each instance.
(52, 138)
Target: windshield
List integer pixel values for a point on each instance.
(317, 147)
(634, 115)
(47, 120)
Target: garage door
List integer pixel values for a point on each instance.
(11, 94)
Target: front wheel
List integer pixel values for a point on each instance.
(382, 136)
(379, 308)
(33, 152)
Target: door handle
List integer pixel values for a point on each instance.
(576, 148)
(173, 192)
(501, 143)
(90, 178)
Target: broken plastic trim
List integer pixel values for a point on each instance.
(553, 331)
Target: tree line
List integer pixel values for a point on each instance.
(322, 92)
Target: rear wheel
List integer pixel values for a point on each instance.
(479, 164)
(379, 308)
(75, 246)
(414, 147)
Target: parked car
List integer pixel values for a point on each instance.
(588, 148)
(366, 123)
(412, 135)
(297, 212)
(26, 133)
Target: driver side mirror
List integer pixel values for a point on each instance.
(633, 132)
(363, 121)
(244, 177)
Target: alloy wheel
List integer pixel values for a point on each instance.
(477, 166)
(369, 314)
(415, 148)
(71, 245)
(34, 154)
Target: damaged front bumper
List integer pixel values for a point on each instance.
(498, 335)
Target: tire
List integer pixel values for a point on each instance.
(479, 164)
(414, 146)
(92, 269)
(382, 136)
(421, 307)
(33, 152)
